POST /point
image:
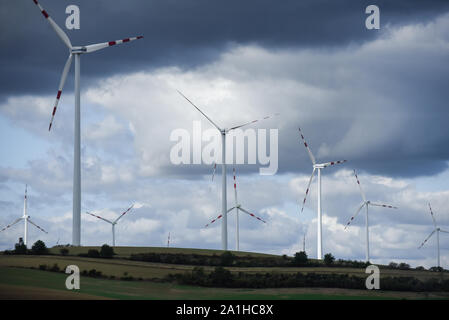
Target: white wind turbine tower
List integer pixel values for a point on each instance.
(237, 207)
(223, 132)
(437, 230)
(318, 167)
(113, 223)
(76, 51)
(26, 219)
(366, 203)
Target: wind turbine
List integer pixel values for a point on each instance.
(237, 207)
(26, 219)
(223, 132)
(113, 223)
(366, 203)
(76, 51)
(317, 167)
(437, 230)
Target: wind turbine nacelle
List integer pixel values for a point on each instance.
(78, 50)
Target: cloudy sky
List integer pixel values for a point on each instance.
(375, 97)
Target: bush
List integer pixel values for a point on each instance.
(300, 258)
(420, 268)
(198, 272)
(221, 277)
(39, 248)
(404, 266)
(64, 251)
(329, 259)
(393, 265)
(106, 252)
(436, 269)
(93, 253)
(94, 273)
(227, 259)
(55, 268)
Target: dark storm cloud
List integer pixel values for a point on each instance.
(182, 33)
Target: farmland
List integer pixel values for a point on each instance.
(17, 283)
(150, 278)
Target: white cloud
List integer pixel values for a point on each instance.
(353, 102)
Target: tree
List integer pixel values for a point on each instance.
(106, 251)
(328, 259)
(436, 269)
(404, 266)
(93, 253)
(227, 258)
(20, 248)
(221, 277)
(39, 248)
(300, 258)
(393, 265)
(421, 268)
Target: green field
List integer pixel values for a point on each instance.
(18, 283)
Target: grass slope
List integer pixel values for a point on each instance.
(17, 283)
(125, 252)
(149, 270)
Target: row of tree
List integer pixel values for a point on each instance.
(38, 248)
(222, 277)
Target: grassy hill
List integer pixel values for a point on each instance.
(16, 283)
(16, 268)
(125, 252)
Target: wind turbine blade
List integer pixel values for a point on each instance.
(10, 225)
(252, 215)
(422, 244)
(219, 217)
(254, 121)
(382, 205)
(127, 210)
(332, 163)
(307, 147)
(360, 186)
(353, 217)
(61, 34)
(61, 86)
(433, 218)
(36, 225)
(93, 215)
(307, 190)
(99, 46)
(200, 111)
(444, 231)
